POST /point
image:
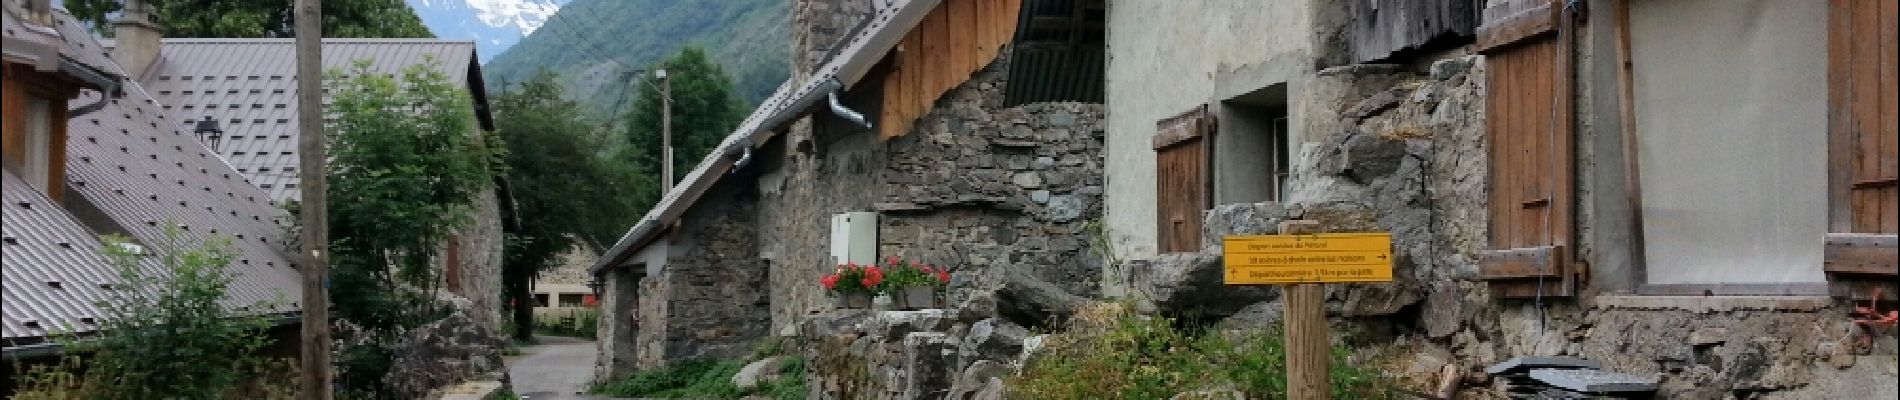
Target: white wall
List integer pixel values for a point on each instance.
(1731, 100)
(1166, 56)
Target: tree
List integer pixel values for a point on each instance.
(263, 18)
(565, 191)
(405, 165)
(704, 112)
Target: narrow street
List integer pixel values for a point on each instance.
(557, 368)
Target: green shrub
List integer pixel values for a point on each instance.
(1109, 352)
(167, 334)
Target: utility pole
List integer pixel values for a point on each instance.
(666, 132)
(314, 384)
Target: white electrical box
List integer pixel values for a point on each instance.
(854, 238)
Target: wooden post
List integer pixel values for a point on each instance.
(314, 384)
(1308, 338)
(1632, 169)
(666, 132)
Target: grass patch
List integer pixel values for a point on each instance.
(1110, 352)
(707, 379)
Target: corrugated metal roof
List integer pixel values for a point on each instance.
(1065, 61)
(845, 67)
(141, 168)
(250, 87)
(53, 266)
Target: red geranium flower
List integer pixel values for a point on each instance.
(829, 281)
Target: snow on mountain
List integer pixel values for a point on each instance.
(494, 25)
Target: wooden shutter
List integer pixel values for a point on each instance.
(1184, 180)
(1529, 125)
(1864, 187)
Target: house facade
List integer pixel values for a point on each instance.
(1693, 190)
(243, 92)
(954, 132)
(90, 153)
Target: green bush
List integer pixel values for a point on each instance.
(585, 323)
(1109, 352)
(167, 334)
(707, 379)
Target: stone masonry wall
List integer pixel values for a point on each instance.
(710, 299)
(479, 245)
(972, 186)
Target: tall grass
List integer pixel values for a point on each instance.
(1110, 352)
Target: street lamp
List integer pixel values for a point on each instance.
(666, 127)
(209, 133)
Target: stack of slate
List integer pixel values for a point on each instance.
(1567, 378)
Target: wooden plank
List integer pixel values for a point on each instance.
(936, 40)
(1525, 25)
(1521, 263)
(1632, 170)
(1861, 253)
(1563, 185)
(1864, 64)
(1181, 127)
(1889, 113)
(1383, 28)
(890, 123)
(1840, 138)
(913, 80)
(963, 42)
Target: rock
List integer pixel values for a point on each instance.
(1030, 301)
(1370, 157)
(1027, 180)
(1039, 196)
(1061, 118)
(897, 324)
(993, 389)
(1377, 299)
(1371, 106)
(1445, 69)
(1252, 317)
(1222, 392)
(1444, 311)
(1190, 284)
(930, 363)
(1240, 219)
(1338, 216)
(448, 351)
(978, 306)
(1708, 336)
(1065, 208)
(995, 339)
(975, 377)
(1031, 345)
(758, 371)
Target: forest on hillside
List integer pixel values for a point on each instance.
(593, 44)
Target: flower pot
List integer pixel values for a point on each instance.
(916, 297)
(852, 300)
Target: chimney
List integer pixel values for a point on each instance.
(39, 12)
(135, 38)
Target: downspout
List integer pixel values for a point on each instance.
(109, 85)
(838, 107)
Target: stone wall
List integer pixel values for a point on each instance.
(972, 186)
(479, 247)
(817, 25)
(710, 299)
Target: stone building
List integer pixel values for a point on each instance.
(246, 91)
(1695, 191)
(957, 123)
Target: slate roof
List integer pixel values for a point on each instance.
(249, 86)
(136, 167)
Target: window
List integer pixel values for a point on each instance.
(540, 299)
(1183, 186)
(1251, 149)
(571, 299)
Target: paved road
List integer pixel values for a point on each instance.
(558, 368)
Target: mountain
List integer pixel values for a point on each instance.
(594, 44)
(494, 25)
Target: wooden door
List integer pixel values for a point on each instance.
(1529, 126)
(1864, 183)
(1184, 179)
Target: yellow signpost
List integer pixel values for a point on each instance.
(1311, 258)
(1302, 260)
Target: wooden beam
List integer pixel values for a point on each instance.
(1862, 254)
(1308, 337)
(1523, 263)
(1528, 24)
(1632, 168)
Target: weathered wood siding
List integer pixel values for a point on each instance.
(1383, 29)
(955, 40)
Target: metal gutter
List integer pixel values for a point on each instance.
(50, 348)
(842, 72)
(108, 84)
